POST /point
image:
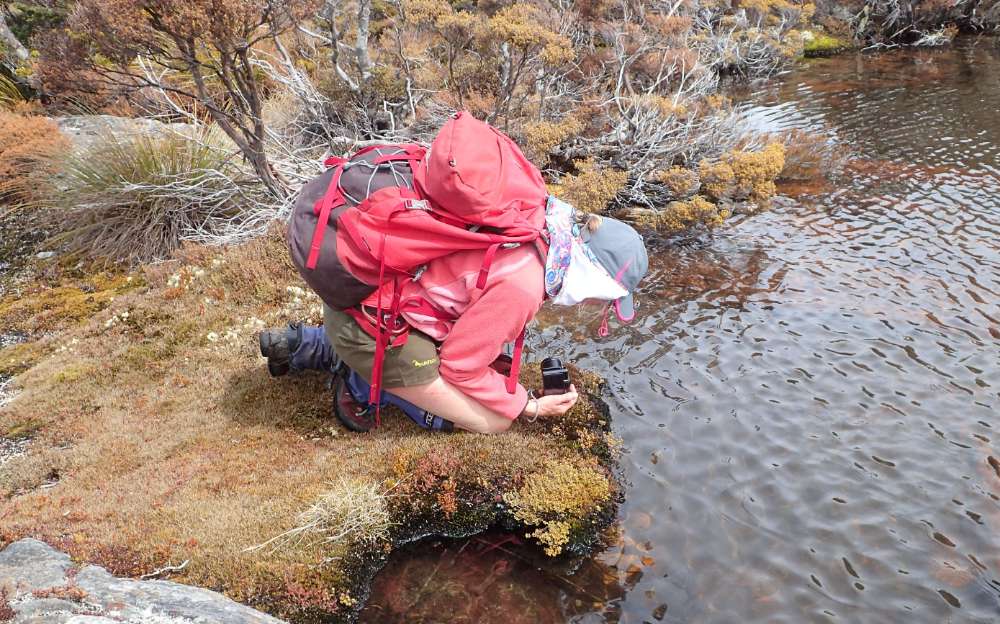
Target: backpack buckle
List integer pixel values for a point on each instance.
(417, 204)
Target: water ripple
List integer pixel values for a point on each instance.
(809, 401)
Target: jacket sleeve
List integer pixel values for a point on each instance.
(477, 337)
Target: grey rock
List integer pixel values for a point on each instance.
(83, 131)
(29, 566)
(47, 610)
(173, 599)
(45, 255)
(54, 617)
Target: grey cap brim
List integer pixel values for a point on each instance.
(625, 308)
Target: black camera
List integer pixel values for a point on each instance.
(555, 377)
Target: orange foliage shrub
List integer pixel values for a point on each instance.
(541, 137)
(743, 175)
(28, 147)
(681, 182)
(593, 188)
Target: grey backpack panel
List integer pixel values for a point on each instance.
(362, 178)
(331, 280)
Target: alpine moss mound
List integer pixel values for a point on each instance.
(156, 437)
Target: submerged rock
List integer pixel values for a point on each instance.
(43, 585)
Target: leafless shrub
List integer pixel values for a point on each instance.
(937, 38)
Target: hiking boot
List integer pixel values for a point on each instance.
(278, 345)
(355, 415)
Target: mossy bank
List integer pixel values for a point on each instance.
(156, 437)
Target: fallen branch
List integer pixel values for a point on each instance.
(164, 570)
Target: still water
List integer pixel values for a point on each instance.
(809, 399)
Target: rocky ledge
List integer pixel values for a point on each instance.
(40, 584)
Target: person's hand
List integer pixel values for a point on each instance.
(552, 404)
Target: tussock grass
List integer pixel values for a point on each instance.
(134, 199)
(10, 95)
(169, 442)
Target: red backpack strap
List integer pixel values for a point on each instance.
(484, 271)
(515, 362)
(409, 153)
(334, 161)
(331, 199)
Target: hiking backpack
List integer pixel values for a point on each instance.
(376, 218)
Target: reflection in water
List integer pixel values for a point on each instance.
(809, 399)
(489, 578)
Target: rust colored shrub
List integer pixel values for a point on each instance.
(7, 612)
(809, 155)
(593, 188)
(199, 50)
(755, 172)
(680, 182)
(29, 147)
(541, 137)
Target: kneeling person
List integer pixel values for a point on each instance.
(450, 371)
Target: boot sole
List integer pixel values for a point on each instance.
(265, 344)
(339, 387)
(277, 369)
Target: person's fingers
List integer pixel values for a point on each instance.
(568, 400)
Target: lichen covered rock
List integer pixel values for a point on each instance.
(40, 584)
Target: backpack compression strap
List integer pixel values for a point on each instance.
(331, 199)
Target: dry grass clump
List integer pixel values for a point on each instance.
(353, 510)
(10, 95)
(31, 470)
(29, 151)
(592, 188)
(20, 357)
(229, 458)
(134, 199)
